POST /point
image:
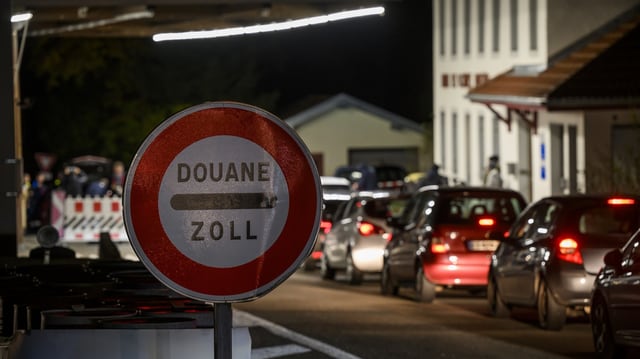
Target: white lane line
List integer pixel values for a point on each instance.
(241, 318)
(278, 351)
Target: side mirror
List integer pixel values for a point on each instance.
(613, 258)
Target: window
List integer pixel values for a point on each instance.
(442, 26)
(496, 25)
(454, 139)
(533, 25)
(454, 26)
(481, 26)
(443, 147)
(496, 136)
(467, 141)
(467, 27)
(514, 25)
(481, 155)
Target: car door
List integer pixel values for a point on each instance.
(624, 292)
(405, 243)
(519, 255)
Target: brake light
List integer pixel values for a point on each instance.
(486, 222)
(569, 251)
(367, 229)
(438, 246)
(325, 226)
(620, 201)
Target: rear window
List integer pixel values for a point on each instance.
(466, 209)
(384, 207)
(608, 220)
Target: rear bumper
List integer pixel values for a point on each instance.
(469, 269)
(571, 288)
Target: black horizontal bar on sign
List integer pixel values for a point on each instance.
(211, 201)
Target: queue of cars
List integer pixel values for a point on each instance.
(565, 255)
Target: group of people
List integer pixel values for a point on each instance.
(491, 178)
(76, 182)
(36, 192)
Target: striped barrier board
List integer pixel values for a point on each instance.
(82, 219)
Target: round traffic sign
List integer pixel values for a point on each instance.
(222, 202)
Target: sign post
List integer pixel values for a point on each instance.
(222, 203)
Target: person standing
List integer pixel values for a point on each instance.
(492, 177)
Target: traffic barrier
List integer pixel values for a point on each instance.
(84, 218)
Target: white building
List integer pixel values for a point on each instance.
(486, 52)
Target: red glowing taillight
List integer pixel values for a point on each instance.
(569, 251)
(620, 201)
(486, 222)
(325, 226)
(367, 229)
(438, 246)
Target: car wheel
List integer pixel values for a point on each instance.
(425, 290)
(354, 276)
(551, 315)
(497, 307)
(386, 284)
(325, 269)
(603, 339)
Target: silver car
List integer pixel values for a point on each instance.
(551, 255)
(360, 231)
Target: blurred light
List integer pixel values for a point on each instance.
(25, 16)
(620, 201)
(278, 26)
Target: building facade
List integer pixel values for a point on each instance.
(542, 150)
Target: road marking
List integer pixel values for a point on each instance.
(242, 318)
(278, 351)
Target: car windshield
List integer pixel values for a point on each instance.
(464, 209)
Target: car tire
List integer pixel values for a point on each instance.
(326, 272)
(603, 340)
(497, 306)
(425, 290)
(354, 275)
(551, 315)
(386, 282)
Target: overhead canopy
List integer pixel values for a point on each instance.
(131, 18)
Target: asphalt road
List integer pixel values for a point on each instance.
(361, 322)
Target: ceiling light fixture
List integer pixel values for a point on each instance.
(276, 26)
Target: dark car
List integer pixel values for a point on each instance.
(615, 301)
(551, 255)
(441, 239)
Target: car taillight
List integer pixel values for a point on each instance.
(438, 246)
(486, 222)
(569, 251)
(620, 201)
(325, 226)
(367, 229)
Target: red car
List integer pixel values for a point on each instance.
(441, 239)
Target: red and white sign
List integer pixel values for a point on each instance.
(222, 202)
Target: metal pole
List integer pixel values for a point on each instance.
(222, 324)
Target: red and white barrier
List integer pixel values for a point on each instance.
(84, 218)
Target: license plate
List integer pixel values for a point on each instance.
(483, 245)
